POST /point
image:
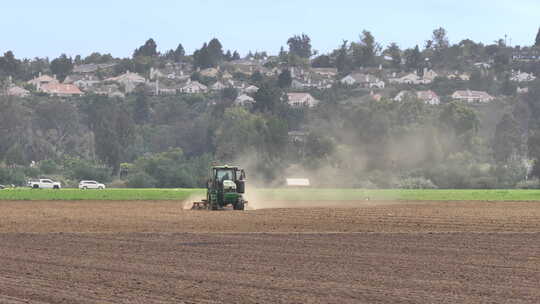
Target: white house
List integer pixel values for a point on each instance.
(218, 86)
(128, 79)
(522, 77)
(244, 100)
(193, 87)
(251, 89)
(472, 96)
(301, 100)
(364, 80)
(428, 96)
(414, 78)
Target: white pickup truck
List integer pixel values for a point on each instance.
(44, 183)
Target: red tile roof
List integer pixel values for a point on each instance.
(61, 89)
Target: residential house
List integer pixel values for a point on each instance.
(363, 80)
(244, 100)
(524, 90)
(17, 92)
(459, 76)
(167, 88)
(301, 100)
(376, 97)
(61, 90)
(428, 96)
(129, 80)
(429, 75)
(482, 65)
(83, 82)
(297, 136)
(522, 76)
(218, 86)
(42, 80)
(227, 76)
(193, 87)
(411, 78)
(526, 54)
(472, 96)
(156, 74)
(251, 89)
(325, 72)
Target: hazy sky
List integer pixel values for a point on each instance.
(47, 28)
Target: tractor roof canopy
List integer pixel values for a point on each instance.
(226, 167)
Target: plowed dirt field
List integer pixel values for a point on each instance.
(314, 252)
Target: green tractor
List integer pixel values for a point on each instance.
(226, 186)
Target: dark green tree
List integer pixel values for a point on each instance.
(176, 55)
(343, 63)
(62, 66)
(268, 98)
(300, 45)
(537, 41)
(285, 79)
(508, 88)
(9, 65)
(98, 58)
(395, 53)
(228, 56)
(235, 56)
(322, 61)
(148, 49)
(201, 57)
(141, 108)
(507, 138)
(215, 52)
(413, 58)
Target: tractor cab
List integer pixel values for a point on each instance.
(230, 179)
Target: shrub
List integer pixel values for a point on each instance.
(141, 180)
(416, 183)
(529, 184)
(48, 167)
(78, 169)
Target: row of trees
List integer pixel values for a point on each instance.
(170, 141)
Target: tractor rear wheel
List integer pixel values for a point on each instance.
(239, 205)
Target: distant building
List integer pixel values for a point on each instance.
(522, 76)
(251, 89)
(42, 80)
(301, 100)
(129, 80)
(244, 100)
(194, 87)
(325, 72)
(61, 90)
(218, 86)
(472, 96)
(363, 80)
(17, 92)
(428, 97)
(526, 54)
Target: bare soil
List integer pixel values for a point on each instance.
(314, 252)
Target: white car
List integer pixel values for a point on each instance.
(44, 183)
(88, 184)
